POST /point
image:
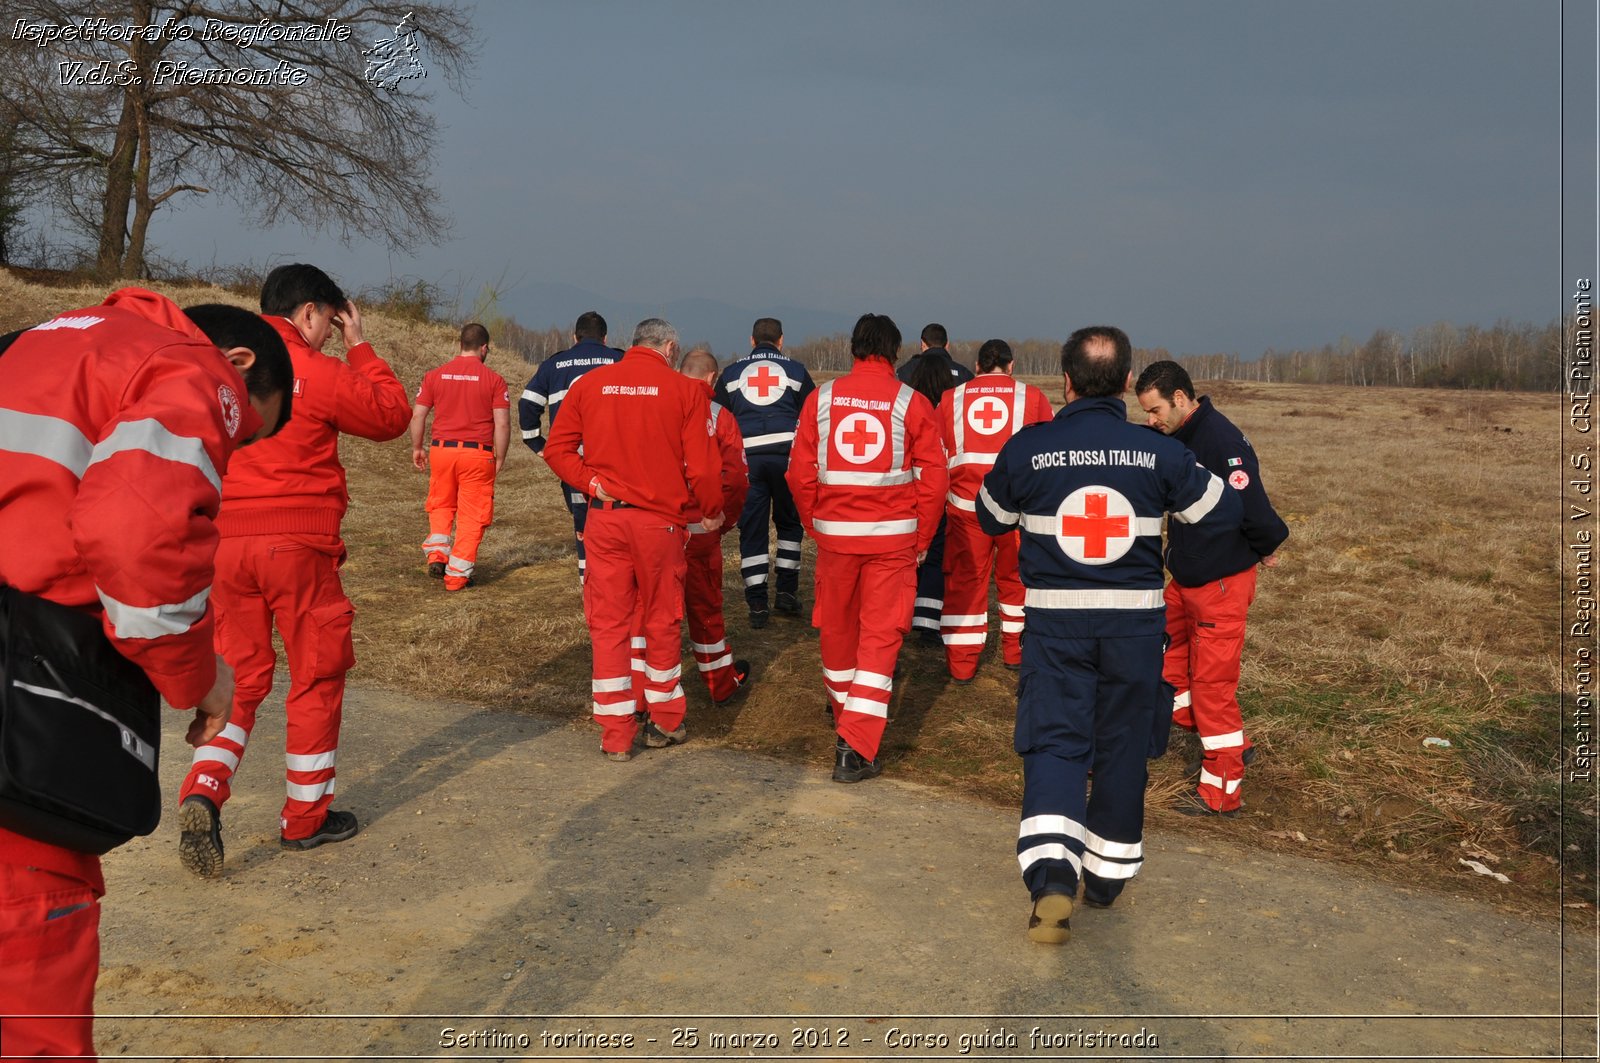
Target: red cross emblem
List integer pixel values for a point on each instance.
(1238, 479)
(859, 438)
(1097, 525)
(761, 383)
(988, 415)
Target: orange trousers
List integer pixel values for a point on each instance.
(460, 493)
(49, 958)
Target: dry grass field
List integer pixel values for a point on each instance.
(1417, 597)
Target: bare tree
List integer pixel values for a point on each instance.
(294, 109)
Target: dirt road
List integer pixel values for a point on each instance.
(514, 894)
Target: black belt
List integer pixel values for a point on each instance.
(461, 443)
(615, 503)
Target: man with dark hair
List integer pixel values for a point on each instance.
(116, 424)
(868, 477)
(764, 391)
(278, 566)
(548, 387)
(1088, 490)
(1213, 583)
(639, 436)
(702, 582)
(932, 362)
(977, 418)
(471, 430)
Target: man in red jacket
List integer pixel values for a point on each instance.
(648, 462)
(867, 473)
(471, 430)
(976, 418)
(278, 564)
(116, 424)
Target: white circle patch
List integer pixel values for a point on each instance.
(988, 415)
(230, 409)
(859, 438)
(762, 382)
(1238, 479)
(1095, 525)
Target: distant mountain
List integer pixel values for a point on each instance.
(725, 326)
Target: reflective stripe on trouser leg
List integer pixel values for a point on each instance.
(436, 547)
(636, 658)
(1219, 611)
(754, 536)
(1083, 703)
(702, 593)
(964, 623)
(578, 506)
(658, 550)
(929, 599)
(610, 599)
(863, 604)
(786, 521)
(474, 512)
(1175, 664)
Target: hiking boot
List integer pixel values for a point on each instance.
(436, 569)
(741, 680)
(964, 680)
(787, 604)
(1191, 769)
(200, 844)
(758, 617)
(618, 754)
(1190, 803)
(1098, 893)
(656, 738)
(1049, 924)
(850, 766)
(338, 827)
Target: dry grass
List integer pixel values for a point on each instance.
(1416, 597)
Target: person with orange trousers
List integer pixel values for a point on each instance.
(637, 437)
(115, 422)
(976, 418)
(278, 565)
(471, 430)
(868, 476)
(702, 582)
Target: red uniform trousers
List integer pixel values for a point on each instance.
(969, 557)
(1205, 629)
(49, 957)
(702, 600)
(291, 581)
(636, 565)
(460, 492)
(862, 613)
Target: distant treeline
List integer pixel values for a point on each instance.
(1504, 356)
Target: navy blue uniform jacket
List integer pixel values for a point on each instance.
(765, 399)
(550, 383)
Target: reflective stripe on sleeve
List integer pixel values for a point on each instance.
(966, 505)
(156, 621)
(1206, 503)
(152, 437)
(50, 438)
(1004, 516)
(533, 396)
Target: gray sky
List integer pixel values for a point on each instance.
(1220, 176)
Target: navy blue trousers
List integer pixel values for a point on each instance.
(929, 605)
(1084, 703)
(769, 492)
(577, 504)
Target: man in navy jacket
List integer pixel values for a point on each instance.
(1088, 490)
(1213, 583)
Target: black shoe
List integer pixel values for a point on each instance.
(1013, 667)
(436, 569)
(850, 766)
(1191, 769)
(1098, 892)
(787, 604)
(963, 682)
(656, 738)
(1190, 803)
(338, 827)
(741, 680)
(929, 638)
(1050, 924)
(758, 617)
(200, 844)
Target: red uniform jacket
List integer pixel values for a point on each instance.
(647, 436)
(735, 469)
(867, 469)
(293, 482)
(117, 423)
(975, 420)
